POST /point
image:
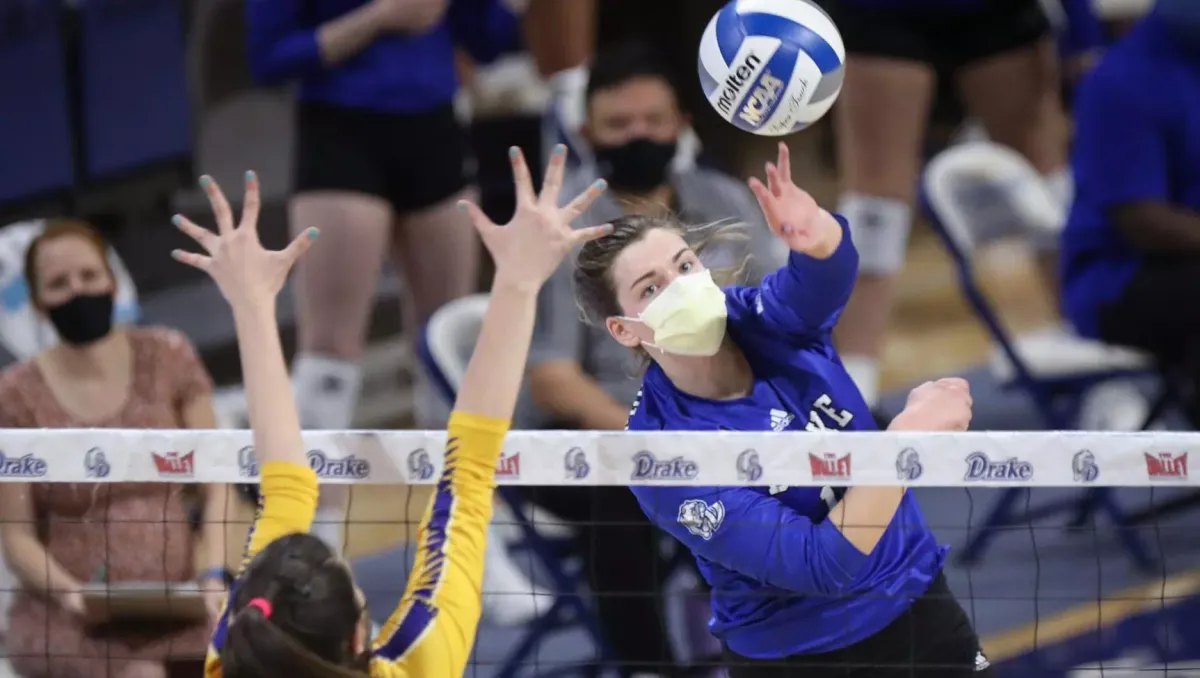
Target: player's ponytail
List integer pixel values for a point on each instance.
(294, 613)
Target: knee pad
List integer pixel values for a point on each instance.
(1060, 186)
(879, 227)
(326, 391)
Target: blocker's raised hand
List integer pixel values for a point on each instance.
(245, 272)
(529, 247)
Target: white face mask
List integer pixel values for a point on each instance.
(688, 317)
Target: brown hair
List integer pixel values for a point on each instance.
(595, 293)
(314, 614)
(62, 228)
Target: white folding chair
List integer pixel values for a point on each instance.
(444, 348)
(974, 194)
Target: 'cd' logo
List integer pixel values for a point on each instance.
(419, 465)
(576, 464)
(95, 465)
(748, 468)
(1084, 468)
(247, 463)
(908, 465)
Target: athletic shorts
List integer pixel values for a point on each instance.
(944, 38)
(932, 639)
(412, 160)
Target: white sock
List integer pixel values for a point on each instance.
(1061, 184)
(864, 371)
(328, 525)
(326, 391)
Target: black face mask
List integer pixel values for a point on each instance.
(83, 319)
(636, 166)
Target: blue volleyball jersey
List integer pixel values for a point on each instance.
(1137, 126)
(397, 73)
(784, 579)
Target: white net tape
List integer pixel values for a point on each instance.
(996, 459)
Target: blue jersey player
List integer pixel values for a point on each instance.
(819, 579)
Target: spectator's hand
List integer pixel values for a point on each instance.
(410, 16)
(72, 602)
(247, 274)
(942, 405)
(792, 214)
(529, 248)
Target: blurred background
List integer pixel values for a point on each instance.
(112, 108)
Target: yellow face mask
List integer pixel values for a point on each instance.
(688, 317)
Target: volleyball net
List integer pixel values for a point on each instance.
(1072, 570)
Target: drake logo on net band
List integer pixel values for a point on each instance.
(338, 468)
(647, 467)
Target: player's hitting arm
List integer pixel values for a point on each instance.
(804, 296)
(433, 629)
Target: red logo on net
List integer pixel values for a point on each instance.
(175, 464)
(1167, 465)
(509, 466)
(828, 466)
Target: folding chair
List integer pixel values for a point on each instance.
(134, 85)
(444, 346)
(959, 193)
(35, 128)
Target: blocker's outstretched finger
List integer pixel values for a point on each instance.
(479, 220)
(220, 206)
(582, 235)
(192, 259)
(583, 201)
(521, 177)
(251, 202)
(552, 183)
(203, 237)
(299, 245)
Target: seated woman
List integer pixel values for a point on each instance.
(59, 536)
(294, 609)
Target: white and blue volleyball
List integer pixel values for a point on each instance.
(771, 67)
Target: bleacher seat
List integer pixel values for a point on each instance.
(35, 130)
(134, 92)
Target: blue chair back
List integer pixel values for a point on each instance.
(35, 127)
(136, 110)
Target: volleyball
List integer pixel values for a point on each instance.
(771, 67)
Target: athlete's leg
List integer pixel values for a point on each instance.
(335, 291)
(880, 121)
(1016, 95)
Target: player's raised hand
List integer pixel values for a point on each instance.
(245, 272)
(792, 214)
(942, 405)
(529, 247)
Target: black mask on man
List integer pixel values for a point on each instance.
(636, 166)
(83, 319)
